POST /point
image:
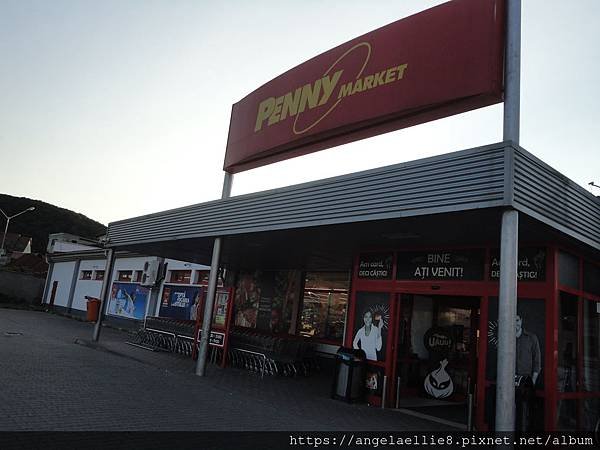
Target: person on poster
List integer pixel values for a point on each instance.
(529, 356)
(369, 337)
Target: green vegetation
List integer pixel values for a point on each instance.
(45, 219)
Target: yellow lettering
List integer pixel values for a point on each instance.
(345, 90)
(264, 110)
(368, 82)
(379, 79)
(401, 70)
(329, 85)
(390, 75)
(358, 87)
(310, 95)
(274, 118)
(290, 104)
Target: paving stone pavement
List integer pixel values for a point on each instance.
(51, 380)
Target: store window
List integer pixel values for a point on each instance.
(567, 344)
(86, 275)
(568, 270)
(99, 275)
(591, 346)
(324, 303)
(181, 276)
(125, 275)
(202, 277)
(591, 278)
(578, 363)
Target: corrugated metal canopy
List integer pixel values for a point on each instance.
(452, 199)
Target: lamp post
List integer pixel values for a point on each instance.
(31, 208)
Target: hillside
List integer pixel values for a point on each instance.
(45, 219)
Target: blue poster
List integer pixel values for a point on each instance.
(179, 302)
(128, 300)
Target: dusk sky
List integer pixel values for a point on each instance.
(116, 109)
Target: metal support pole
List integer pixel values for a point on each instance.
(104, 293)
(507, 303)
(507, 310)
(212, 289)
(512, 72)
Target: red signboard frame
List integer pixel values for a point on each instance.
(442, 61)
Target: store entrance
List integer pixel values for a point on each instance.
(436, 354)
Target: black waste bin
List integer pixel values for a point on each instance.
(524, 394)
(349, 375)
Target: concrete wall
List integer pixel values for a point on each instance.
(21, 286)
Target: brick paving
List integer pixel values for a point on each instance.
(53, 379)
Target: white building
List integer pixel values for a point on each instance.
(77, 269)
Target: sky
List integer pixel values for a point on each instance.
(117, 109)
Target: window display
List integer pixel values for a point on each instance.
(324, 303)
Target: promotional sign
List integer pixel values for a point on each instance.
(180, 302)
(216, 338)
(438, 340)
(220, 308)
(128, 300)
(438, 383)
(371, 324)
(440, 265)
(531, 265)
(375, 266)
(440, 62)
(264, 299)
(530, 339)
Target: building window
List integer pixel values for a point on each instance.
(324, 303)
(99, 275)
(86, 275)
(125, 275)
(202, 277)
(138, 276)
(181, 276)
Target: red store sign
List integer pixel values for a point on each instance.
(440, 62)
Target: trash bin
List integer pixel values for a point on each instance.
(349, 375)
(93, 308)
(524, 394)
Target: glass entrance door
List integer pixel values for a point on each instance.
(436, 353)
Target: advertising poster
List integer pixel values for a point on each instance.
(264, 299)
(220, 309)
(371, 324)
(128, 300)
(375, 266)
(531, 265)
(180, 302)
(374, 381)
(530, 331)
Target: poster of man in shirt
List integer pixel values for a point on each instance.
(530, 325)
(371, 324)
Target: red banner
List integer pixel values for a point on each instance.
(440, 62)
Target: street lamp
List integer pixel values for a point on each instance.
(31, 208)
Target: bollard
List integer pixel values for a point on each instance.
(383, 395)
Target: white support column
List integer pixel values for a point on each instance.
(212, 289)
